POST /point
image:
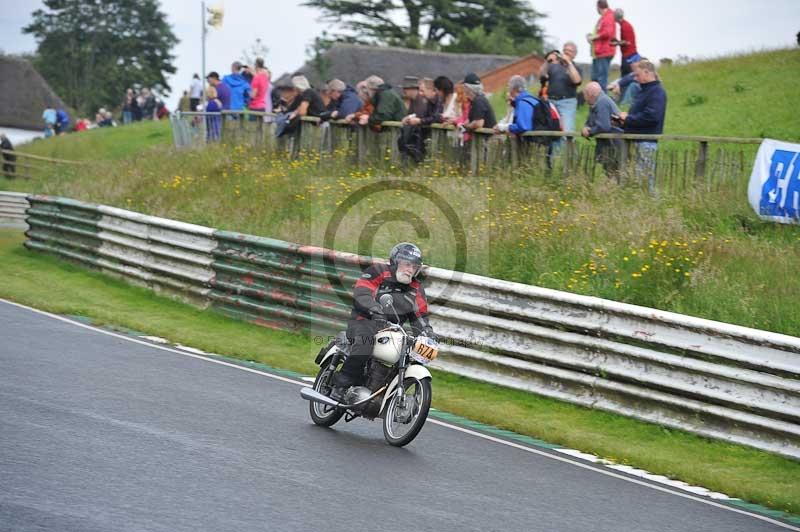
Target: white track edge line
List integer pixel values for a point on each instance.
(434, 421)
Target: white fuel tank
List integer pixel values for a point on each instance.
(388, 346)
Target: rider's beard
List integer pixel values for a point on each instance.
(403, 277)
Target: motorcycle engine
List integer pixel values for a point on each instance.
(356, 394)
(377, 375)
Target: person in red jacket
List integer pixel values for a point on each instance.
(368, 317)
(626, 42)
(602, 49)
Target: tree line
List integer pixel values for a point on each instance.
(90, 52)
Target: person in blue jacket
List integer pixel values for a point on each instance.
(346, 98)
(646, 117)
(62, 121)
(524, 104)
(239, 87)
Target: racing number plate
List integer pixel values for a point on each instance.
(425, 350)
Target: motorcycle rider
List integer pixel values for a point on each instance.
(399, 279)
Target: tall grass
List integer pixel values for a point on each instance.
(701, 252)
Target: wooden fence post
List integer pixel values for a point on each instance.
(702, 158)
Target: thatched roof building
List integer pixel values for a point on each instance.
(354, 62)
(24, 94)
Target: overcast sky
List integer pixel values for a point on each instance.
(694, 28)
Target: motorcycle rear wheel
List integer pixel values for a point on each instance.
(324, 415)
(397, 431)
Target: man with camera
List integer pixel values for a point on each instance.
(562, 78)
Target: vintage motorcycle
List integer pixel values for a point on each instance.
(398, 385)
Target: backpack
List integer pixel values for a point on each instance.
(545, 118)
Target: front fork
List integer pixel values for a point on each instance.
(401, 391)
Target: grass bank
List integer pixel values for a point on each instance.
(56, 286)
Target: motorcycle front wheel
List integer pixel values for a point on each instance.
(324, 415)
(402, 424)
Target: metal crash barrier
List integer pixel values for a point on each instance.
(714, 379)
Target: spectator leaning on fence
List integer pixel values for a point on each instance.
(223, 91)
(416, 104)
(361, 116)
(387, 103)
(626, 42)
(447, 99)
(344, 97)
(307, 101)
(524, 105)
(646, 117)
(481, 114)
(602, 49)
(602, 109)
(415, 128)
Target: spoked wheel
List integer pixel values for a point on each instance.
(324, 415)
(401, 424)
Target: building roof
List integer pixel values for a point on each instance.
(354, 62)
(24, 94)
(528, 67)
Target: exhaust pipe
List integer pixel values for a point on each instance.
(309, 394)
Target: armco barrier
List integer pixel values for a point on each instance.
(12, 209)
(162, 254)
(718, 380)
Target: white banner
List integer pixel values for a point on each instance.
(774, 190)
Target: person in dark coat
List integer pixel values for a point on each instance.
(646, 117)
(8, 158)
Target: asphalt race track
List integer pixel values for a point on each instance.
(100, 433)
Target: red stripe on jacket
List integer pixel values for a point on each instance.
(373, 284)
(422, 305)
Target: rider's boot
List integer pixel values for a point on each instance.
(340, 383)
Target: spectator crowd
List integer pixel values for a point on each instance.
(136, 105)
(422, 102)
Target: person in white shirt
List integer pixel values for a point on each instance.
(195, 92)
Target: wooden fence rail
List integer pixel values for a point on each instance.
(682, 161)
(15, 163)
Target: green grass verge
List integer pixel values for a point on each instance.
(49, 284)
(106, 143)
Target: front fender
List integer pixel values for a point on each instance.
(322, 359)
(414, 371)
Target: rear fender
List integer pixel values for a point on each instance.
(414, 371)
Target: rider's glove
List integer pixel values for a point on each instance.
(428, 331)
(376, 313)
